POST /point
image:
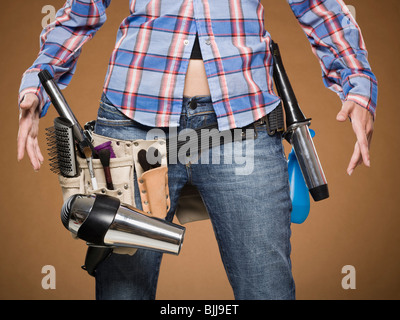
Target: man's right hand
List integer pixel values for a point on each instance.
(28, 131)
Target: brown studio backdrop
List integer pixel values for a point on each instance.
(357, 226)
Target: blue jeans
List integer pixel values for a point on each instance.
(250, 213)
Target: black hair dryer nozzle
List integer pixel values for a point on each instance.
(297, 132)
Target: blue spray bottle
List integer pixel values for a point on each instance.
(299, 192)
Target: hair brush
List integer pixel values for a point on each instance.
(61, 148)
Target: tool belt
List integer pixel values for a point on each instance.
(152, 184)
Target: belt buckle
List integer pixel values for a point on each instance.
(258, 123)
(272, 132)
(269, 131)
(275, 121)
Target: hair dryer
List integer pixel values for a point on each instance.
(297, 132)
(102, 220)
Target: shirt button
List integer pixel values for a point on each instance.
(186, 42)
(208, 41)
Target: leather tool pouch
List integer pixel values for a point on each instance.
(153, 184)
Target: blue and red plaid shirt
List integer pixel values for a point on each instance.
(147, 68)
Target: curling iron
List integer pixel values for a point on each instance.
(83, 142)
(297, 131)
(63, 108)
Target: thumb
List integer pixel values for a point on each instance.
(344, 113)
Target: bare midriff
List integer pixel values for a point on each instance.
(196, 83)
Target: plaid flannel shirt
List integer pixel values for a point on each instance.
(146, 73)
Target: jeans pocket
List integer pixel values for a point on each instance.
(112, 123)
(109, 113)
(272, 144)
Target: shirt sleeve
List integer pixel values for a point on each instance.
(337, 41)
(61, 45)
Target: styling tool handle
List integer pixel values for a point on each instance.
(293, 112)
(297, 131)
(83, 142)
(63, 109)
(94, 256)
